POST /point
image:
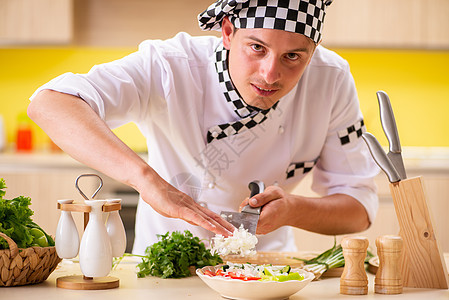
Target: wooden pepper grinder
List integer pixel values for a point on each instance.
(388, 277)
(354, 280)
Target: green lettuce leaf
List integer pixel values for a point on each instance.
(15, 220)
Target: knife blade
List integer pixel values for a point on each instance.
(380, 157)
(249, 217)
(389, 126)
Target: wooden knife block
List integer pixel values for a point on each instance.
(422, 264)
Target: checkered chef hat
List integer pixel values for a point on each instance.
(301, 16)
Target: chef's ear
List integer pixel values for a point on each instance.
(227, 32)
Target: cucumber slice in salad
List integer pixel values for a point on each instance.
(286, 269)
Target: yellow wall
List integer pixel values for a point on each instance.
(416, 81)
(22, 71)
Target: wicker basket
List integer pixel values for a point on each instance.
(26, 266)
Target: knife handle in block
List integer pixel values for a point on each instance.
(423, 264)
(388, 277)
(354, 280)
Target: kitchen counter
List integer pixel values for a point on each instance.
(193, 288)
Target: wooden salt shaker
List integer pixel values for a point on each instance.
(388, 277)
(354, 280)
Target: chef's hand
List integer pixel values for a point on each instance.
(333, 214)
(275, 211)
(170, 202)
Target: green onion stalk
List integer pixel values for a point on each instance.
(329, 259)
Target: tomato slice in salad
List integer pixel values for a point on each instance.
(248, 272)
(232, 275)
(209, 273)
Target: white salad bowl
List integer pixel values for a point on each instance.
(253, 289)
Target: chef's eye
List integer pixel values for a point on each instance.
(256, 47)
(292, 56)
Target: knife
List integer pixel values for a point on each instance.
(382, 159)
(249, 215)
(391, 131)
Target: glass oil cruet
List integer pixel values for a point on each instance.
(116, 231)
(95, 251)
(67, 239)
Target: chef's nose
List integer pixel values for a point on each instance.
(270, 69)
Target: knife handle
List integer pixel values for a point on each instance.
(256, 187)
(388, 122)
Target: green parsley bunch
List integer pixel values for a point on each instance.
(172, 256)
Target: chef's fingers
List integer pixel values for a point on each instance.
(218, 220)
(207, 219)
(271, 193)
(244, 203)
(202, 216)
(182, 206)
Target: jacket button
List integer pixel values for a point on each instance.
(211, 185)
(214, 134)
(281, 130)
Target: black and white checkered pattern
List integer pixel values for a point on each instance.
(301, 16)
(228, 129)
(300, 167)
(251, 116)
(231, 94)
(352, 133)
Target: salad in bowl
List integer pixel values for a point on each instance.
(252, 281)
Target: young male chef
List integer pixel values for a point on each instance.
(263, 102)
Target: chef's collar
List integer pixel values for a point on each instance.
(300, 16)
(241, 108)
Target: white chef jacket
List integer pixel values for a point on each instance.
(170, 90)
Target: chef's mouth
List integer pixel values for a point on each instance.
(262, 91)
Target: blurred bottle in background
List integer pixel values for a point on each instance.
(24, 142)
